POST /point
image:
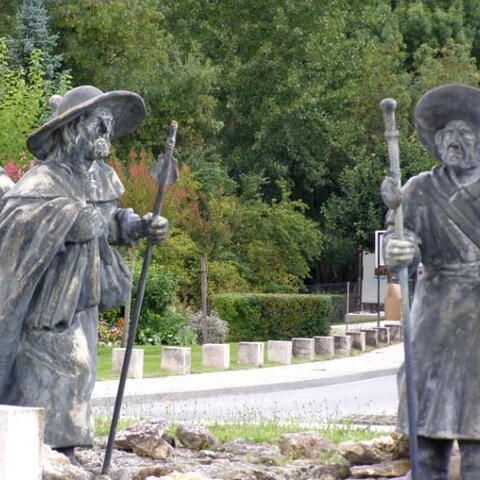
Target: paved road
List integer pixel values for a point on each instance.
(309, 405)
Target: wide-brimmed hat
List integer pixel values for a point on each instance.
(128, 110)
(441, 105)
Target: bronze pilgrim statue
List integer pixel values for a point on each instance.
(441, 211)
(57, 266)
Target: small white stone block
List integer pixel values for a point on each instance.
(358, 340)
(177, 359)
(216, 355)
(383, 335)
(135, 369)
(279, 351)
(21, 442)
(324, 346)
(303, 348)
(371, 337)
(343, 345)
(396, 332)
(250, 353)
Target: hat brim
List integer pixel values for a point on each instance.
(442, 105)
(128, 110)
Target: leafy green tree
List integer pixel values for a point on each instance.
(33, 34)
(22, 105)
(117, 46)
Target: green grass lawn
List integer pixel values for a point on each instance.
(152, 361)
(266, 431)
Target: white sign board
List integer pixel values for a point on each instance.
(379, 261)
(369, 281)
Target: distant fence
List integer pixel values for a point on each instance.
(344, 290)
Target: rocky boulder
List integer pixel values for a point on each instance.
(382, 449)
(146, 439)
(392, 469)
(195, 437)
(304, 445)
(57, 466)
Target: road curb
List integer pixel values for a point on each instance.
(105, 402)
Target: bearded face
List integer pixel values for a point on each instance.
(93, 135)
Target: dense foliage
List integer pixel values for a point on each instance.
(281, 140)
(261, 317)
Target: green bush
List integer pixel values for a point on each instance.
(261, 317)
(158, 324)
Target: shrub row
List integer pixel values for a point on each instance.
(262, 317)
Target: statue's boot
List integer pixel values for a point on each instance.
(434, 458)
(470, 466)
(68, 452)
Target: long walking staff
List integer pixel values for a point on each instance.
(165, 173)
(394, 202)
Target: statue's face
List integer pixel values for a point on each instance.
(457, 144)
(94, 132)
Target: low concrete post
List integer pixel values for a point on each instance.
(383, 335)
(343, 345)
(21, 442)
(324, 346)
(177, 359)
(303, 348)
(371, 337)
(396, 332)
(250, 353)
(135, 369)
(358, 340)
(279, 351)
(216, 355)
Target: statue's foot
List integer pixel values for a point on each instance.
(68, 452)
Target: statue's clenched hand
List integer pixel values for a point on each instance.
(399, 253)
(155, 227)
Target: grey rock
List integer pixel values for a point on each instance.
(146, 439)
(57, 466)
(304, 445)
(195, 437)
(378, 450)
(394, 468)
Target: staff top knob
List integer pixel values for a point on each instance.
(388, 105)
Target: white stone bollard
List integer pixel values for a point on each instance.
(371, 337)
(250, 353)
(21, 442)
(216, 355)
(358, 340)
(396, 332)
(324, 346)
(383, 335)
(343, 345)
(279, 351)
(303, 348)
(135, 369)
(177, 359)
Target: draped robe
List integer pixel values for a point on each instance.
(51, 289)
(442, 218)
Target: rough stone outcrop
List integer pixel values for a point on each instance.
(146, 439)
(57, 466)
(195, 437)
(391, 447)
(304, 445)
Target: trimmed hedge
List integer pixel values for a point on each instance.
(262, 317)
(339, 309)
